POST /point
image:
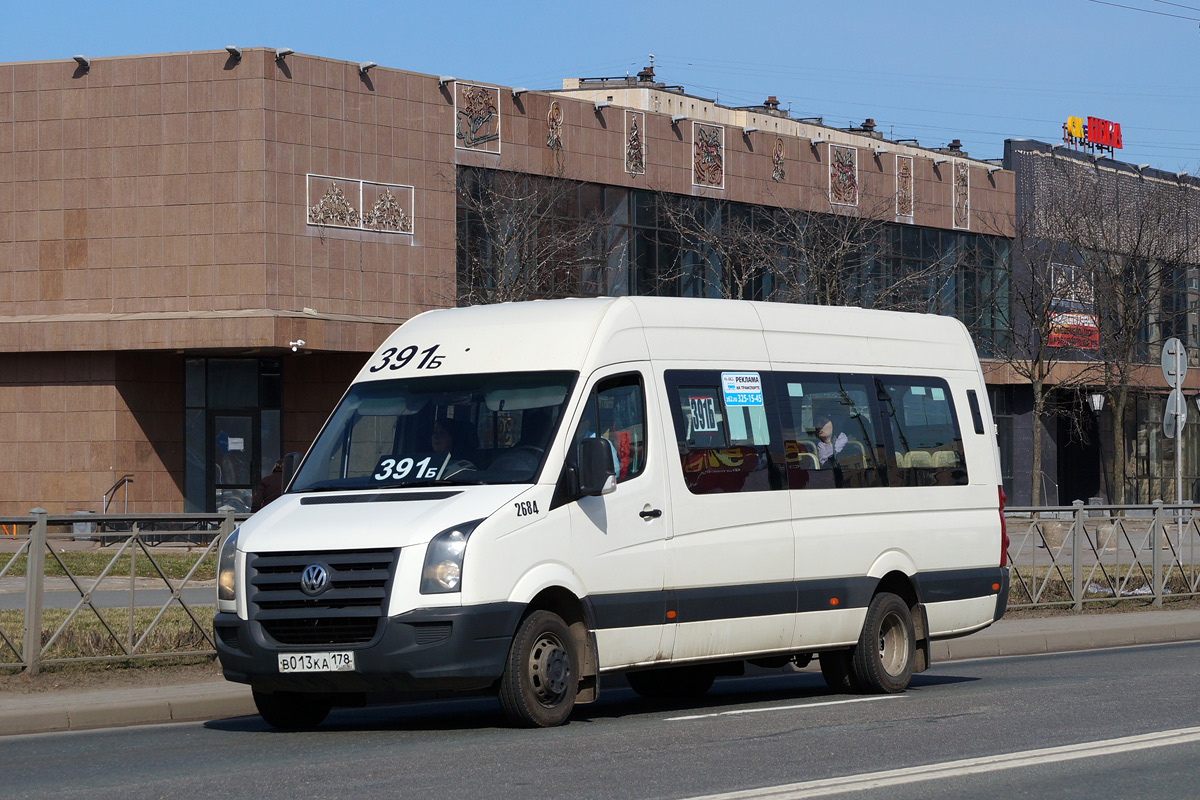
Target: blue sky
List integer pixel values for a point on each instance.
(976, 70)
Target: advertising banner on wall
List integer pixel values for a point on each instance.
(1071, 329)
(1073, 321)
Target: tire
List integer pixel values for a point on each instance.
(671, 683)
(883, 659)
(292, 711)
(541, 676)
(837, 672)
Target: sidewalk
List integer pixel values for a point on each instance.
(58, 711)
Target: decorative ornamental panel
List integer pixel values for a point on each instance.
(554, 127)
(635, 143)
(476, 117)
(360, 205)
(962, 194)
(904, 186)
(777, 173)
(843, 175)
(708, 161)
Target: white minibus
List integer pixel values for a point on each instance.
(522, 498)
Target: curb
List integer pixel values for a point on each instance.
(191, 703)
(1024, 643)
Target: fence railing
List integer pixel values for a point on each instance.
(166, 557)
(1063, 556)
(1070, 556)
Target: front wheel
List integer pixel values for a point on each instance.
(292, 711)
(883, 660)
(540, 680)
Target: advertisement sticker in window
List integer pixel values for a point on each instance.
(742, 389)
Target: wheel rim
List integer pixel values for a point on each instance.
(549, 669)
(893, 644)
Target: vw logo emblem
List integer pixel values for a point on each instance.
(314, 579)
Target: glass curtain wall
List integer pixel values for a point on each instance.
(641, 251)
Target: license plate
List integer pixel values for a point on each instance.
(316, 662)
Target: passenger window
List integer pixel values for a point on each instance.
(927, 448)
(616, 412)
(721, 429)
(830, 438)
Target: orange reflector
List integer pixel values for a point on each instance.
(995, 587)
(670, 615)
(833, 601)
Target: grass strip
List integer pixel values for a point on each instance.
(86, 636)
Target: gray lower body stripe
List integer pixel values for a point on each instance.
(636, 609)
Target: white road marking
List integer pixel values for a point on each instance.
(785, 708)
(969, 766)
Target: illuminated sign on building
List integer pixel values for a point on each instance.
(1097, 134)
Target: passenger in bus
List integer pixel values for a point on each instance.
(828, 445)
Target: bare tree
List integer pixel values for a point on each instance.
(526, 237)
(726, 250)
(839, 256)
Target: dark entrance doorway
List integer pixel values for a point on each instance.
(1078, 461)
(232, 436)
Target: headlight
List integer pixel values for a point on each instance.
(444, 559)
(225, 567)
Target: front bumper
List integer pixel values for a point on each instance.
(460, 649)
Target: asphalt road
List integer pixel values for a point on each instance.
(943, 736)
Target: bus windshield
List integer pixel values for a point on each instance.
(436, 431)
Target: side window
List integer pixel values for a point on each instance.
(616, 412)
(831, 440)
(721, 429)
(927, 448)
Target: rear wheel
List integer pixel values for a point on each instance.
(292, 711)
(883, 659)
(540, 680)
(672, 682)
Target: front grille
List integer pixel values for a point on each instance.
(347, 612)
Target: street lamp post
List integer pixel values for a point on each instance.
(1096, 401)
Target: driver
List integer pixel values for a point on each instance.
(445, 432)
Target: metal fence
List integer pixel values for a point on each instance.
(1070, 556)
(43, 546)
(1065, 556)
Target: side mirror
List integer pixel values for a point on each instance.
(597, 474)
(291, 462)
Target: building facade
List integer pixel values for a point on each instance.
(1107, 255)
(199, 250)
